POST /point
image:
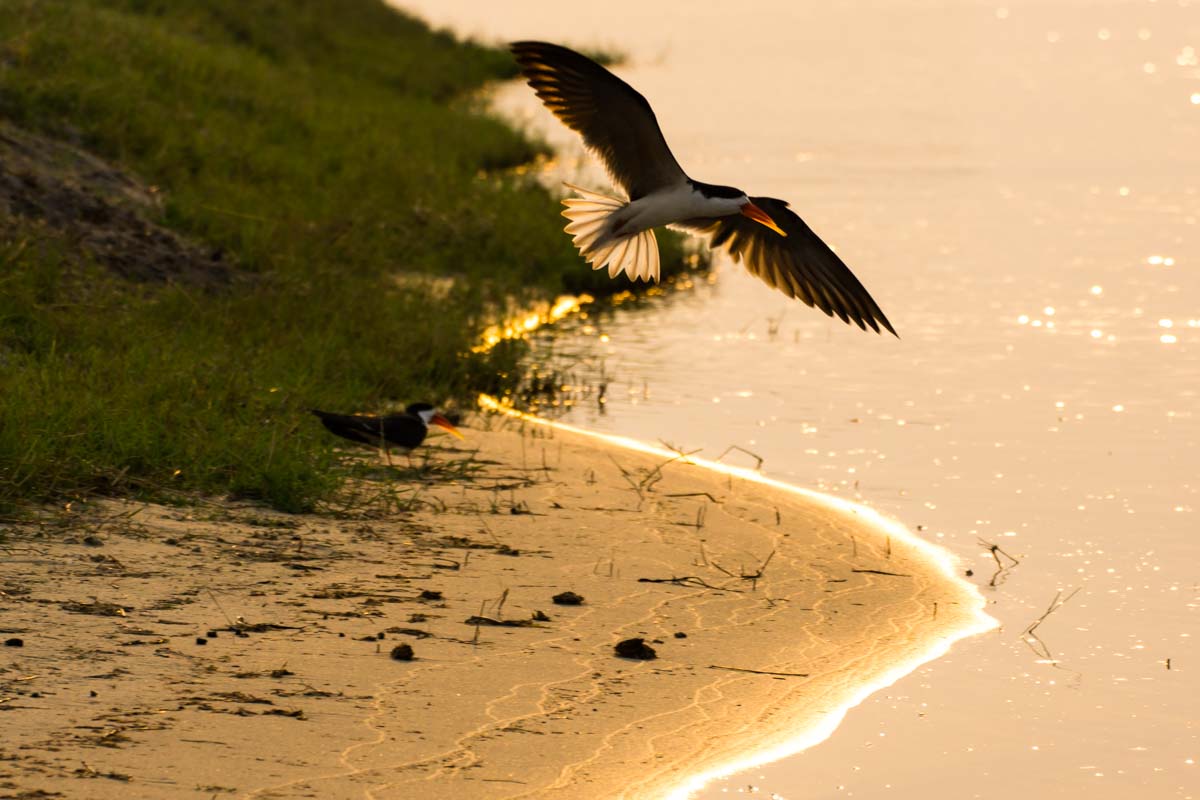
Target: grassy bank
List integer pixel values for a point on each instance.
(319, 148)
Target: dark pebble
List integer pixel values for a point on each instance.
(540, 616)
(970, 572)
(402, 652)
(568, 599)
(211, 634)
(680, 635)
(201, 640)
(635, 648)
(431, 594)
(14, 642)
(93, 541)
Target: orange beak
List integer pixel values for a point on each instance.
(758, 215)
(442, 422)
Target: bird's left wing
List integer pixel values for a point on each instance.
(615, 121)
(800, 265)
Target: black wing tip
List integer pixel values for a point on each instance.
(534, 45)
(529, 50)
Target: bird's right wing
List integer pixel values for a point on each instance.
(800, 265)
(615, 121)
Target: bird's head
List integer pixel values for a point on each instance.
(755, 213)
(426, 413)
(729, 201)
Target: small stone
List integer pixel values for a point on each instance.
(14, 642)
(680, 635)
(568, 599)
(540, 616)
(970, 572)
(201, 640)
(431, 594)
(635, 648)
(211, 634)
(403, 652)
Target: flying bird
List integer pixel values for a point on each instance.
(404, 431)
(619, 126)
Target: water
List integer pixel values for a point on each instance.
(1018, 185)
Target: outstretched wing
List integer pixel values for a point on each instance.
(615, 121)
(800, 265)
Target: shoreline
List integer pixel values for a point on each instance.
(766, 582)
(816, 731)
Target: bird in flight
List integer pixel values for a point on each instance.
(403, 431)
(619, 126)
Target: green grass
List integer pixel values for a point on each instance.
(324, 146)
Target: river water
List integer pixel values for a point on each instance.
(1018, 185)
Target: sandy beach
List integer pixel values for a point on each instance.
(223, 650)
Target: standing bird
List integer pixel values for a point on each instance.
(620, 127)
(404, 431)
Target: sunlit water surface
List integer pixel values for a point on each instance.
(1018, 185)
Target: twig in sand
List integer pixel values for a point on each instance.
(694, 494)
(478, 621)
(754, 576)
(633, 484)
(218, 605)
(722, 569)
(761, 671)
(701, 514)
(882, 572)
(755, 456)
(655, 475)
(689, 580)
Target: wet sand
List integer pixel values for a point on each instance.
(294, 692)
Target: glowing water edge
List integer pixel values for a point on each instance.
(812, 725)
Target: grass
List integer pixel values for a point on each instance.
(325, 146)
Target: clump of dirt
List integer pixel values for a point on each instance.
(105, 212)
(568, 599)
(635, 648)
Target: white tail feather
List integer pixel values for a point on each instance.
(589, 226)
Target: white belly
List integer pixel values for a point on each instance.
(672, 205)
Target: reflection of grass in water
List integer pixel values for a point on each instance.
(321, 145)
(563, 369)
